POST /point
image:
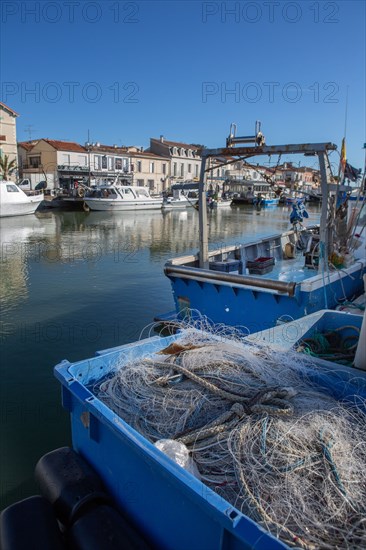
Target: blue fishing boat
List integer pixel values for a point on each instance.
(267, 199)
(289, 275)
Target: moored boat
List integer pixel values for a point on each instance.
(295, 273)
(117, 197)
(178, 200)
(14, 202)
(219, 203)
(266, 199)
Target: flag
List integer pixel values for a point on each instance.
(343, 156)
(351, 173)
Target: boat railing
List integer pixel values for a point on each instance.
(204, 275)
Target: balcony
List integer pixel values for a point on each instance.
(72, 168)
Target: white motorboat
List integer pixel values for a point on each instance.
(178, 200)
(14, 202)
(121, 197)
(218, 203)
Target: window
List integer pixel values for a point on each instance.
(163, 167)
(118, 163)
(34, 162)
(151, 184)
(82, 160)
(182, 169)
(96, 162)
(189, 168)
(12, 189)
(196, 171)
(139, 166)
(152, 167)
(174, 168)
(140, 183)
(104, 162)
(175, 151)
(110, 163)
(126, 165)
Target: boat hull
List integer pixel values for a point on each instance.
(252, 308)
(104, 206)
(20, 208)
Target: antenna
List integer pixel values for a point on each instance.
(29, 130)
(346, 113)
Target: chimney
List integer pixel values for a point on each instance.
(161, 139)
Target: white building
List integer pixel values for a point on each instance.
(184, 158)
(8, 136)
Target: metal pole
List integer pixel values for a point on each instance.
(324, 211)
(202, 212)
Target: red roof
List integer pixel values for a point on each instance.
(9, 109)
(65, 145)
(28, 145)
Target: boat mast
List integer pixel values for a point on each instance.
(323, 232)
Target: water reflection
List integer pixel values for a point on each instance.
(17, 238)
(48, 242)
(75, 282)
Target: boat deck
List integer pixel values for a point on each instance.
(290, 271)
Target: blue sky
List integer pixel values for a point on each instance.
(128, 71)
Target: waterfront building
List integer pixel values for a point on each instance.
(8, 137)
(150, 169)
(59, 163)
(105, 162)
(300, 178)
(66, 164)
(184, 159)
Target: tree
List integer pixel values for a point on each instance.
(7, 167)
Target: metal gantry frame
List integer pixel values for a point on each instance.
(319, 149)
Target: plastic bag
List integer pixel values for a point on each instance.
(179, 453)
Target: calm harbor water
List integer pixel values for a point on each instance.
(73, 283)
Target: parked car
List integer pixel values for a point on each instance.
(25, 185)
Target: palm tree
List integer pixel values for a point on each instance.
(7, 167)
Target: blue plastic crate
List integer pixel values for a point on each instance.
(173, 508)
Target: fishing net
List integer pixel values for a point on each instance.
(260, 431)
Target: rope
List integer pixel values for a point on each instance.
(290, 457)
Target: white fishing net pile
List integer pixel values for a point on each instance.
(261, 434)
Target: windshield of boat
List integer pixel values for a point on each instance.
(142, 192)
(126, 192)
(12, 188)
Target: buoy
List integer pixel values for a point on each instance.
(290, 250)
